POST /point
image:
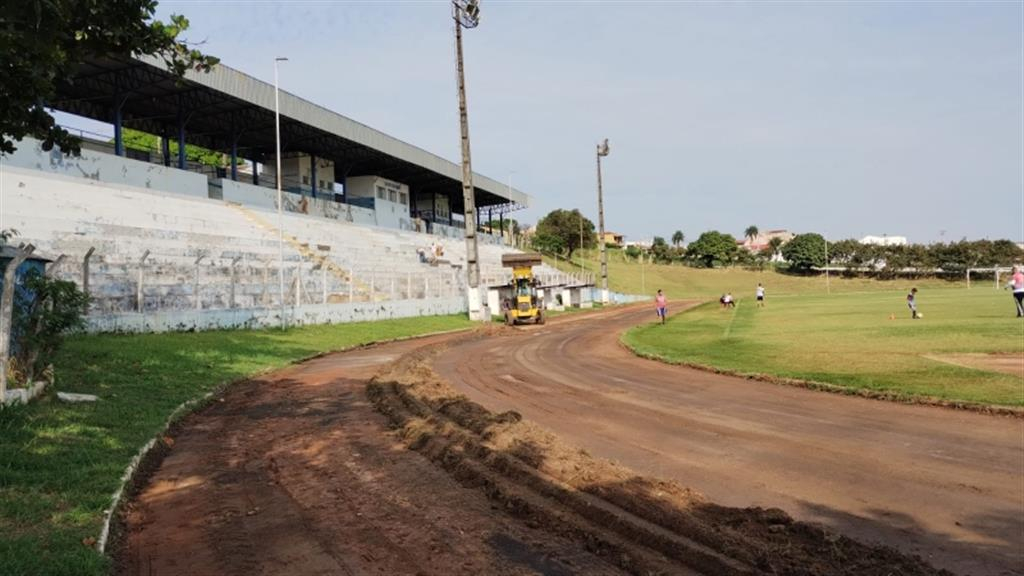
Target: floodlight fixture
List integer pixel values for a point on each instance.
(467, 12)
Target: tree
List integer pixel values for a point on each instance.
(846, 252)
(751, 232)
(508, 223)
(712, 249)
(138, 140)
(564, 225)
(775, 243)
(677, 238)
(41, 43)
(1004, 252)
(46, 311)
(804, 252)
(660, 250)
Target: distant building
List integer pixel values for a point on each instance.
(641, 244)
(760, 242)
(884, 240)
(613, 239)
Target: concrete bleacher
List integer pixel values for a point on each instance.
(203, 254)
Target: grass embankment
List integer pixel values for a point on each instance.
(60, 463)
(680, 281)
(849, 340)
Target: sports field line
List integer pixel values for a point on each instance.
(728, 327)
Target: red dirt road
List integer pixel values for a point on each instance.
(945, 484)
(296, 473)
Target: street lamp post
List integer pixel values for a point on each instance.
(828, 283)
(602, 150)
(280, 195)
(466, 14)
(582, 260)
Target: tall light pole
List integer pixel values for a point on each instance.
(512, 229)
(828, 283)
(280, 195)
(602, 150)
(581, 243)
(466, 13)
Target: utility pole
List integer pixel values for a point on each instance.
(466, 13)
(602, 150)
(828, 283)
(280, 195)
(582, 267)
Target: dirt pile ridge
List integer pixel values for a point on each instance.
(642, 525)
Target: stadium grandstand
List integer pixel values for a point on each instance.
(373, 226)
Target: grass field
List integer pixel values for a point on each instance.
(684, 282)
(60, 463)
(848, 339)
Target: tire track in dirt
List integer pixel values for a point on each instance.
(296, 473)
(941, 483)
(643, 525)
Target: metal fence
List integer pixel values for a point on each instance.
(205, 282)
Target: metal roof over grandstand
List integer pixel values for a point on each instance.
(226, 108)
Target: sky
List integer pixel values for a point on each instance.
(843, 118)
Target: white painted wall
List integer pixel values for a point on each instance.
(310, 314)
(108, 168)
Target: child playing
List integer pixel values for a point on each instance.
(760, 295)
(912, 303)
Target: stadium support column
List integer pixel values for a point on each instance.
(602, 150)
(312, 173)
(466, 14)
(118, 131)
(165, 148)
(234, 158)
(181, 135)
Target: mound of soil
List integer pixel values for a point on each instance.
(642, 525)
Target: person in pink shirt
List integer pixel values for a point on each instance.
(1017, 285)
(662, 305)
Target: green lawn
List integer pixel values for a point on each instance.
(848, 339)
(60, 463)
(684, 282)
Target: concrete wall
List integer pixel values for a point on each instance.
(251, 195)
(185, 320)
(391, 199)
(108, 168)
(297, 172)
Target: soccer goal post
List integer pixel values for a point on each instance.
(996, 272)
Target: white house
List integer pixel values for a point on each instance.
(885, 240)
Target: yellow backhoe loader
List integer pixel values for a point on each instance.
(523, 305)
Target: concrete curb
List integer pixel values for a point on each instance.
(23, 395)
(189, 406)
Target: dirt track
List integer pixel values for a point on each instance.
(297, 473)
(945, 484)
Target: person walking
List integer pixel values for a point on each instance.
(760, 295)
(912, 303)
(1017, 285)
(662, 305)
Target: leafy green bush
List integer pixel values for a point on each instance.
(45, 310)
